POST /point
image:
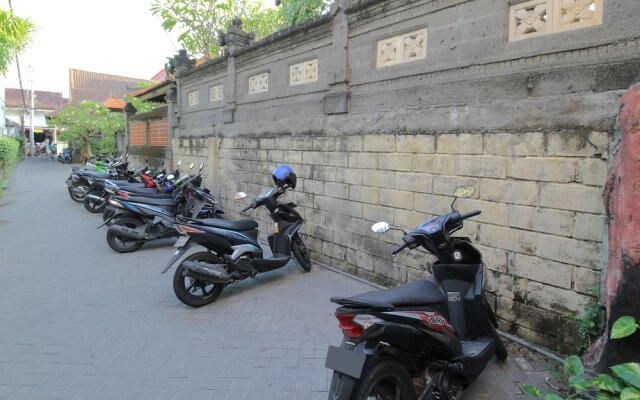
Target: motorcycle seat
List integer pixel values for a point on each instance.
(147, 200)
(93, 174)
(417, 293)
(239, 225)
(122, 182)
(135, 190)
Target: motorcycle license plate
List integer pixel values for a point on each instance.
(182, 240)
(345, 361)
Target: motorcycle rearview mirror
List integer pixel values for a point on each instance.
(201, 165)
(190, 166)
(240, 195)
(462, 192)
(179, 163)
(380, 227)
(170, 177)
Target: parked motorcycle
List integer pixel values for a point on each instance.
(442, 329)
(78, 185)
(143, 219)
(99, 190)
(65, 157)
(233, 252)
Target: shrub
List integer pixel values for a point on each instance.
(10, 153)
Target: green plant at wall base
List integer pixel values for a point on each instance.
(623, 384)
(590, 324)
(9, 154)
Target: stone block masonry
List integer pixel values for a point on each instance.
(542, 254)
(404, 101)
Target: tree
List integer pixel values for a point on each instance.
(15, 35)
(293, 12)
(200, 21)
(140, 105)
(90, 124)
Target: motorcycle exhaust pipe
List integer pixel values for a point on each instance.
(95, 198)
(81, 190)
(212, 273)
(130, 233)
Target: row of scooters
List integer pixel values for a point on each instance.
(439, 331)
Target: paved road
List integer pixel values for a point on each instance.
(79, 321)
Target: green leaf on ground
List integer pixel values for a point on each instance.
(533, 391)
(606, 382)
(574, 366)
(630, 394)
(629, 372)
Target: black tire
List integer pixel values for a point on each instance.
(301, 252)
(92, 206)
(125, 245)
(385, 379)
(194, 292)
(75, 197)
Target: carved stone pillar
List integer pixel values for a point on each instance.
(234, 40)
(337, 100)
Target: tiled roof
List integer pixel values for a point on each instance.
(161, 76)
(85, 85)
(47, 101)
(114, 104)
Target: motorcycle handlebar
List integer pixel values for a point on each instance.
(398, 249)
(466, 215)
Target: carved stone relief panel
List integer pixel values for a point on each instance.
(576, 14)
(216, 93)
(304, 72)
(193, 98)
(528, 19)
(259, 83)
(402, 48)
(540, 17)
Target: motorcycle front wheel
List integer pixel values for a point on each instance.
(386, 379)
(301, 252)
(194, 292)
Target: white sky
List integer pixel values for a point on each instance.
(118, 37)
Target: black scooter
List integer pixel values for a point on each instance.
(233, 252)
(441, 329)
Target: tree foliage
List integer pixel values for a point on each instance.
(90, 125)
(200, 20)
(15, 35)
(293, 12)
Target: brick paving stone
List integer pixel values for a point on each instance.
(79, 321)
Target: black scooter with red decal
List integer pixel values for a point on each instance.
(442, 329)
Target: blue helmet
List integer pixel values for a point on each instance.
(284, 175)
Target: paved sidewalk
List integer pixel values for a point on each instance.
(79, 321)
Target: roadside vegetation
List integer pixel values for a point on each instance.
(201, 21)
(10, 154)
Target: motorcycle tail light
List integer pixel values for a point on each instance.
(348, 325)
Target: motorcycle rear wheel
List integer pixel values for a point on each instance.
(92, 206)
(301, 252)
(122, 244)
(385, 379)
(194, 292)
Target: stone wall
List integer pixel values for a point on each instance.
(529, 121)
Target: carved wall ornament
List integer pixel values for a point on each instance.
(193, 98)
(216, 93)
(259, 83)
(540, 17)
(402, 48)
(576, 14)
(304, 72)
